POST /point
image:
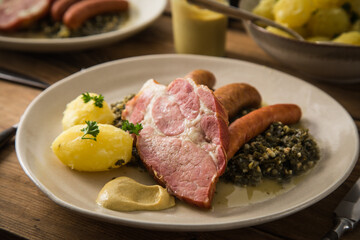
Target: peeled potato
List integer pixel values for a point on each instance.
(112, 148)
(77, 112)
(278, 32)
(265, 8)
(352, 37)
(329, 22)
(328, 3)
(293, 13)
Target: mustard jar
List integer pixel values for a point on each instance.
(197, 30)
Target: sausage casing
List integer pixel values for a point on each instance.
(202, 77)
(236, 96)
(79, 12)
(59, 7)
(245, 128)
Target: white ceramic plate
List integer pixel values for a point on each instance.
(142, 13)
(329, 123)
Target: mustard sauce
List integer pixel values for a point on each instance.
(125, 194)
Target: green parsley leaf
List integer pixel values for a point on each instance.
(98, 100)
(130, 127)
(92, 129)
(86, 97)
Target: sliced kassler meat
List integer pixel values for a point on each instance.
(19, 13)
(184, 138)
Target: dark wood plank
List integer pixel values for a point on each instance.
(13, 105)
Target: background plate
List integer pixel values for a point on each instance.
(142, 13)
(328, 122)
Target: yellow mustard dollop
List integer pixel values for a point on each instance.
(125, 194)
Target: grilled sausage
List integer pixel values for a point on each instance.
(202, 77)
(59, 7)
(245, 128)
(237, 96)
(79, 12)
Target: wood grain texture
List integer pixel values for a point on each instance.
(26, 212)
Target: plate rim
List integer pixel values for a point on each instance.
(176, 226)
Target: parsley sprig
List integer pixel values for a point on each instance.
(91, 129)
(98, 100)
(130, 127)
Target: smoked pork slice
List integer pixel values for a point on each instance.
(19, 13)
(184, 138)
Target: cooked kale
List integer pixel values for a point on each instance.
(279, 153)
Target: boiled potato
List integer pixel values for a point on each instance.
(265, 8)
(329, 22)
(300, 30)
(315, 20)
(328, 3)
(77, 112)
(112, 148)
(278, 32)
(293, 13)
(352, 37)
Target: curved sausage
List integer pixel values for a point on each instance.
(17, 14)
(236, 96)
(202, 77)
(245, 128)
(59, 7)
(79, 12)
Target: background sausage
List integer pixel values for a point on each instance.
(79, 12)
(245, 128)
(237, 96)
(202, 77)
(59, 7)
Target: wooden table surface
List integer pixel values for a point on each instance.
(25, 212)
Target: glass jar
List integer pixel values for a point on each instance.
(197, 30)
